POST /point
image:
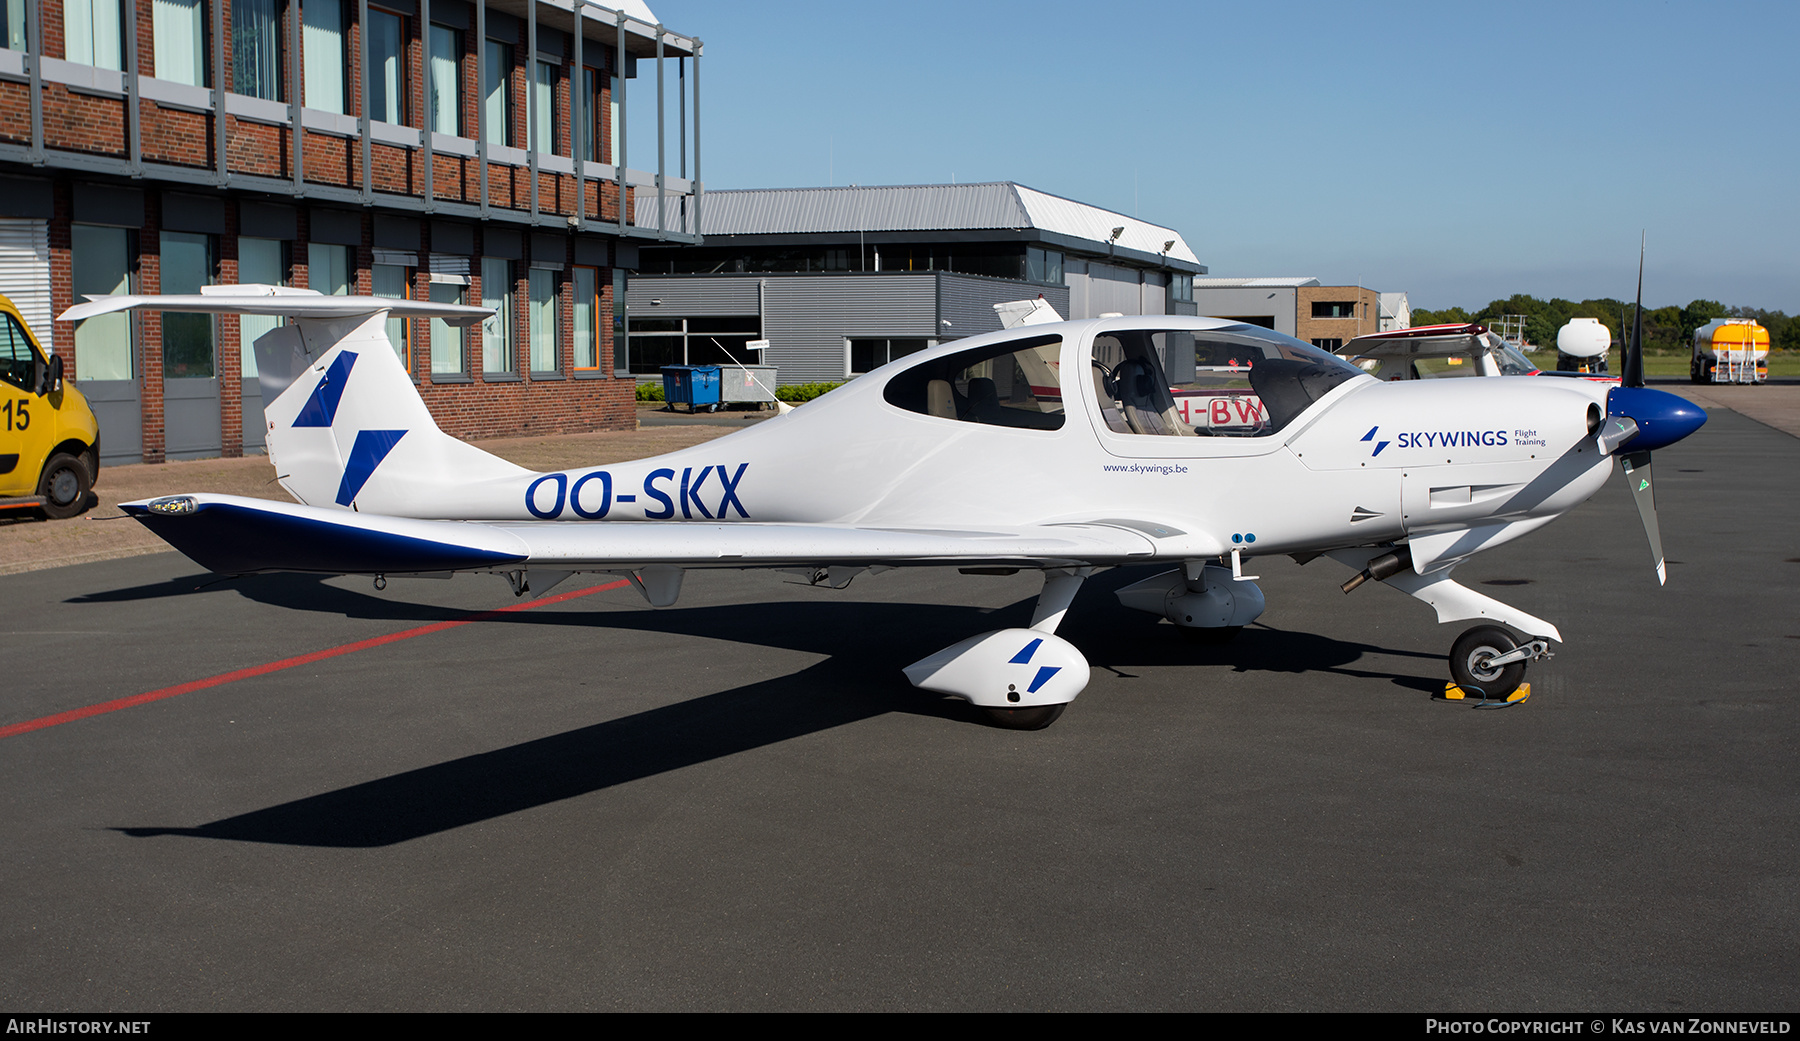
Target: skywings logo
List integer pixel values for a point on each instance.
(1438, 439)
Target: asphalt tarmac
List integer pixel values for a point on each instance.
(739, 803)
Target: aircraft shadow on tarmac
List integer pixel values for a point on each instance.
(859, 679)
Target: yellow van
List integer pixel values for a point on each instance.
(49, 439)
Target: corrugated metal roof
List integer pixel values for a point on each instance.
(1078, 219)
(1253, 283)
(929, 207)
(997, 205)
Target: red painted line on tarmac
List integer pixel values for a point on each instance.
(287, 663)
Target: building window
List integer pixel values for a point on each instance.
(446, 339)
(328, 268)
(13, 31)
(496, 99)
(716, 340)
(587, 318)
(446, 89)
(260, 262)
(656, 342)
(1330, 344)
(592, 129)
(1181, 288)
(611, 136)
(322, 45)
(179, 30)
(1043, 265)
(621, 330)
(1334, 309)
(387, 67)
(91, 33)
(497, 293)
(187, 339)
(256, 48)
(544, 314)
(394, 283)
(101, 263)
(543, 109)
(868, 355)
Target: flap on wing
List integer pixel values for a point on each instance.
(755, 544)
(235, 535)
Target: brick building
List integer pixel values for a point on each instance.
(149, 146)
(1330, 316)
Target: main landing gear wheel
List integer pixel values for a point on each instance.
(1035, 718)
(1469, 658)
(64, 486)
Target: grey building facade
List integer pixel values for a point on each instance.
(842, 280)
(1269, 302)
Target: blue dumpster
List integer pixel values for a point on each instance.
(696, 386)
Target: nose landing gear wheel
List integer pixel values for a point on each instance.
(1470, 668)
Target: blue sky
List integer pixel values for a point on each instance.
(1458, 151)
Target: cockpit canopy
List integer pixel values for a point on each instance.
(1234, 381)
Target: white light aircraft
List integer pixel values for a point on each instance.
(1060, 447)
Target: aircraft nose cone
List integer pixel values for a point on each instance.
(1662, 418)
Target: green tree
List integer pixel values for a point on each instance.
(1662, 329)
(1665, 328)
(1540, 317)
(1448, 316)
(1697, 314)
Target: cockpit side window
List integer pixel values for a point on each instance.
(1131, 385)
(1239, 381)
(1013, 384)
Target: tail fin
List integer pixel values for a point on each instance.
(347, 428)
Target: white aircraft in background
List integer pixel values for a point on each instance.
(1061, 447)
(1459, 349)
(1436, 352)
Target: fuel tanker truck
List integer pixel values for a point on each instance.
(1581, 346)
(1730, 350)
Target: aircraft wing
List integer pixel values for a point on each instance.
(230, 534)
